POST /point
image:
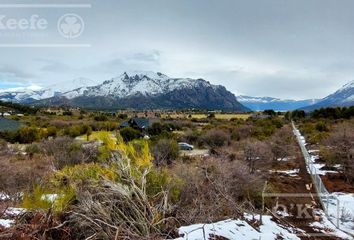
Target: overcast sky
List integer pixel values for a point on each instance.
(281, 48)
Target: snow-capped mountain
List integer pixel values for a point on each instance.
(344, 97)
(143, 90)
(33, 93)
(137, 83)
(263, 103)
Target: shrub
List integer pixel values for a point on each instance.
(241, 132)
(24, 173)
(73, 131)
(322, 127)
(101, 118)
(215, 191)
(165, 152)
(66, 152)
(3, 145)
(52, 131)
(32, 149)
(128, 134)
(29, 134)
(329, 156)
(216, 138)
(121, 209)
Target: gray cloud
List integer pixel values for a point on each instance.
(131, 61)
(9, 73)
(293, 49)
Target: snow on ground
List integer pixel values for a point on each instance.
(315, 155)
(340, 205)
(345, 210)
(326, 227)
(4, 197)
(285, 159)
(8, 214)
(13, 212)
(6, 223)
(49, 197)
(291, 173)
(239, 229)
(319, 171)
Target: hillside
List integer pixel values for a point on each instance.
(344, 97)
(147, 90)
(264, 103)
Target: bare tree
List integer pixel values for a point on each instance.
(257, 153)
(282, 143)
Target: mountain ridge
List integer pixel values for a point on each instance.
(343, 97)
(147, 90)
(277, 104)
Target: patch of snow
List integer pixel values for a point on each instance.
(4, 197)
(6, 223)
(285, 159)
(238, 229)
(49, 197)
(318, 169)
(11, 211)
(341, 207)
(326, 227)
(313, 151)
(291, 173)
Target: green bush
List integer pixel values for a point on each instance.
(101, 118)
(29, 134)
(322, 127)
(52, 131)
(128, 134)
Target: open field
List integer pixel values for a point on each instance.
(221, 116)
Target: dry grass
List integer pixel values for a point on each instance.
(119, 210)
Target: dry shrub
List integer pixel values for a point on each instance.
(216, 138)
(119, 210)
(20, 175)
(341, 144)
(38, 225)
(66, 152)
(165, 152)
(242, 132)
(257, 154)
(3, 145)
(217, 190)
(282, 143)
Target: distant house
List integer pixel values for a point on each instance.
(140, 124)
(8, 125)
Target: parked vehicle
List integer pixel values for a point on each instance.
(185, 146)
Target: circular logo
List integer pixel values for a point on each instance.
(70, 25)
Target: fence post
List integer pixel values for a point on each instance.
(264, 188)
